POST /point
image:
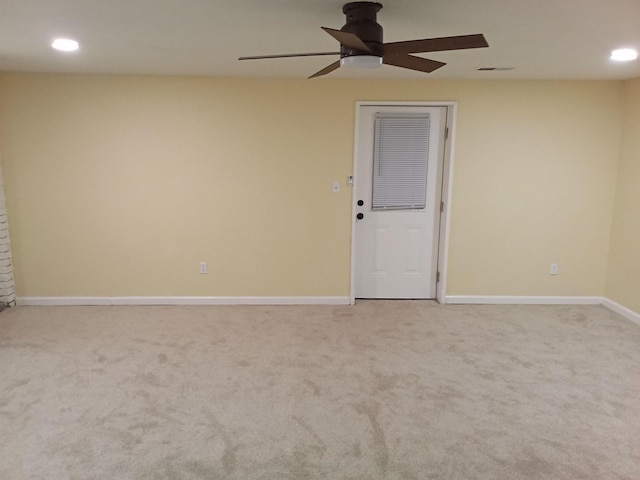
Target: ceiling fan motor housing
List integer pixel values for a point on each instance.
(362, 21)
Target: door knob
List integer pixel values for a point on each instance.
(360, 203)
(360, 216)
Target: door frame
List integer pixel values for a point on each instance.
(445, 195)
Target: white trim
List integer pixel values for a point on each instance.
(375, 103)
(621, 310)
(447, 182)
(90, 301)
(443, 250)
(451, 300)
(524, 300)
(520, 300)
(352, 279)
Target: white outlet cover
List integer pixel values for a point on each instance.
(336, 187)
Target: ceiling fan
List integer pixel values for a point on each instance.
(361, 44)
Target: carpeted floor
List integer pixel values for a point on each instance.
(381, 390)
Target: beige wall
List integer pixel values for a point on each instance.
(534, 184)
(623, 285)
(121, 185)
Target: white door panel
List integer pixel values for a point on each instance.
(396, 249)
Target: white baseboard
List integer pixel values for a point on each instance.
(450, 299)
(621, 310)
(90, 301)
(524, 300)
(520, 300)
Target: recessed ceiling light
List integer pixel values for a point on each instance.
(65, 45)
(624, 54)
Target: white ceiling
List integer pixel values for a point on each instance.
(540, 39)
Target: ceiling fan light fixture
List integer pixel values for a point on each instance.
(361, 61)
(624, 54)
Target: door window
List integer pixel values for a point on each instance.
(400, 161)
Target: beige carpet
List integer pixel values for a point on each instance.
(381, 390)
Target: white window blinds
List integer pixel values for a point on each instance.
(400, 159)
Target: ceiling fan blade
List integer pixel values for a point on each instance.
(349, 40)
(459, 42)
(412, 63)
(289, 55)
(328, 69)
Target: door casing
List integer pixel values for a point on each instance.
(447, 176)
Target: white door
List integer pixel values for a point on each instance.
(398, 182)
